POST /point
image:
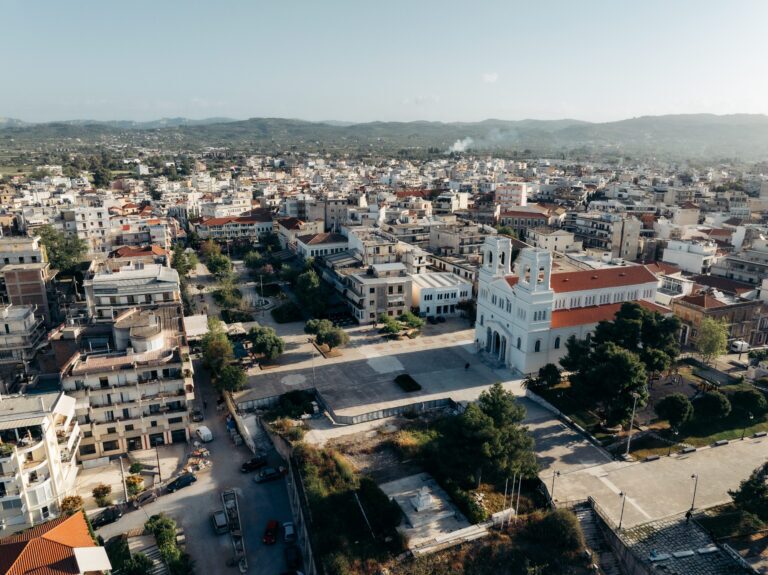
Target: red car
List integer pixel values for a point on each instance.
(270, 533)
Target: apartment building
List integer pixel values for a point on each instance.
(136, 397)
(459, 240)
(743, 317)
(39, 439)
(235, 228)
(750, 265)
(694, 257)
(325, 244)
(607, 232)
(521, 220)
(373, 246)
(137, 285)
(288, 229)
(22, 335)
(29, 284)
(438, 293)
(449, 202)
(382, 289)
(91, 225)
(552, 240)
(21, 250)
(510, 195)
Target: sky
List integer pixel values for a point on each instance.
(393, 60)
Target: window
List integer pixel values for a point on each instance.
(537, 346)
(129, 427)
(111, 430)
(519, 343)
(110, 445)
(372, 290)
(87, 449)
(175, 420)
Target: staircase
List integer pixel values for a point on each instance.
(602, 555)
(158, 565)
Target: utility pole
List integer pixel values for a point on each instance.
(122, 477)
(631, 423)
(157, 455)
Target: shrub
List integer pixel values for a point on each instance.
(411, 320)
(71, 503)
(287, 313)
(472, 510)
(407, 383)
(560, 530)
(135, 484)
(138, 564)
(135, 468)
(235, 315)
(383, 513)
(334, 337)
(315, 326)
(749, 401)
(713, 404)
(675, 408)
(101, 493)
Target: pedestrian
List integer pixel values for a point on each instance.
(466, 366)
(205, 404)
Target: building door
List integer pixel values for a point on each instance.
(156, 439)
(179, 436)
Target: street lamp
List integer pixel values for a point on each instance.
(744, 431)
(671, 445)
(552, 491)
(309, 340)
(631, 422)
(695, 478)
(623, 501)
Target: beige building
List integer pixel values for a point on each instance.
(553, 240)
(383, 289)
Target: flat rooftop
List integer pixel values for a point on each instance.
(438, 280)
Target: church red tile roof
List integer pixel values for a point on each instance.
(565, 282)
(46, 549)
(596, 313)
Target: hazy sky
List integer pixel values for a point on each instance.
(361, 60)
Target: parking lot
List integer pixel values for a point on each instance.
(192, 506)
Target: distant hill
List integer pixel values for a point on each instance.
(681, 136)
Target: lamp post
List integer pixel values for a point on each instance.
(671, 445)
(695, 478)
(623, 502)
(552, 491)
(744, 431)
(309, 340)
(631, 422)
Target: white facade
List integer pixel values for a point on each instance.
(40, 437)
(439, 293)
(523, 320)
(693, 257)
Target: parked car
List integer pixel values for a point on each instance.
(109, 515)
(441, 318)
(204, 434)
(432, 320)
(267, 474)
(184, 480)
(219, 522)
(289, 533)
(270, 532)
(144, 497)
(197, 415)
(292, 556)
(739, 346)
(254, 463)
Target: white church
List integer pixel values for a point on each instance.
(524, 318)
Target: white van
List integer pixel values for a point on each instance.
(204, 434)
(739, 346)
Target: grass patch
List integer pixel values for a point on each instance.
(649, 445)
(292, 405)
(560, 396)
(729, 521)
(270, 290)
(407, 383)
(235, 315)
(287, 313)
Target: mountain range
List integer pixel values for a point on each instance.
(742, 136)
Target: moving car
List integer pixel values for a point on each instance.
(204, 434)
(254, 463)
(144, 497)
(109, 515)
(270, 532)
(183, 480)
(289, 533)
(219, 522)
(267, 474)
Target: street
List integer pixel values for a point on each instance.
(192, 506)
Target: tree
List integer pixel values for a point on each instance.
(138, 564)
(179, 261)
(231, 378)
(334, 337)
(100, 494)
(752, 494)
(390, 325)
(411, 320)
(102, 177)
(576, 358)
(217, 349)
(712, 404)
(270, 241)
(210, 248)
(675, 408)
(64, 251)
(712, 340)
(264, 340)
(549, 376)
(219, 265)
(309, 292)
(749, 401)
(315, 326)
(71, 503)
(561, 530)
(253, 260)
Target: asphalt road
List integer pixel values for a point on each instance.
(192, 506)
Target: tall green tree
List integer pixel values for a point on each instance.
(231, 378)
(333, 338)
(752, 494)
(217, 349)
(265, 341)
(712, 339)
(65, 251)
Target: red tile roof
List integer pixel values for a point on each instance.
(325, 238)
(706, 301)
(595, 314)
(291, 223)
(658, 268)
(46, 549)
(565, 282)
(255, 219)
(135, 252)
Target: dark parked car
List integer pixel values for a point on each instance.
(144, 497)
(267, 474)
(109, 515)
(432, 320)
(197, 415)
(181, 481)
(270, 533)
(253, 464)
(292, 557)
(441, 318)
